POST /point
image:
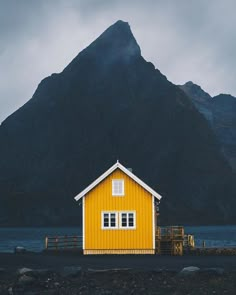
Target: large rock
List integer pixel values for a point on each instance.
(189, 271)
(24, 270)
(19, 250)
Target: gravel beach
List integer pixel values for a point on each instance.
(73, 273)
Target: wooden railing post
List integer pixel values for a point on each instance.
(46, 242)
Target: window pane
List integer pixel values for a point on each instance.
(117, 187)
(106, 220)
(131, 219)
(131, 223)
(106, 223)
(113, 220)
(124, 220)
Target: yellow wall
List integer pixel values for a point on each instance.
(135, 199)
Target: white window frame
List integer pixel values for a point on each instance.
(127, 219)
(122, 193)
(109, 220)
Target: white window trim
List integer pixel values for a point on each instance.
(123, 187)
(120, 220)
(116, 217)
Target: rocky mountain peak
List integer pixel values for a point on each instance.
(115, 44)
(195, 91)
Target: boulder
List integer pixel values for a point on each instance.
(19, 249)
(190, 270)
(23, 270)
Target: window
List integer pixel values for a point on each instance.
(118, 187)
(127, 220)
(109, 220)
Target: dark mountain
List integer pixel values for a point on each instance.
(220, 111)
(201, 99)
(109, 104)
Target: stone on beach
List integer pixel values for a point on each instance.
(19, 249)
(190, 270)
(24, 270)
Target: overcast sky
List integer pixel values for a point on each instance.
(185, 39)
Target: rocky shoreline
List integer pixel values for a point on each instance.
(74, 280)
(73, 273)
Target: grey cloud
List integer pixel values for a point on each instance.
(185, 39)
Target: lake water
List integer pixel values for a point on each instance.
(33, 238)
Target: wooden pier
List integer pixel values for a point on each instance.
(169, 240)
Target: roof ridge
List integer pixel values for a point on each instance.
(108, 172)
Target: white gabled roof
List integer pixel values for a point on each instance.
(108, 172)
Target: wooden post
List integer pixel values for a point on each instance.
(46, 242)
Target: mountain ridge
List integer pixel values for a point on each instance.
(220, 111)
(79, 122)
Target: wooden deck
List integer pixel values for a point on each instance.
(169, 240)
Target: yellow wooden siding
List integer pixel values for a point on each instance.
(135, 199)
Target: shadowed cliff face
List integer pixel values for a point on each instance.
(220, 111)
(201, 99)
(109, 104)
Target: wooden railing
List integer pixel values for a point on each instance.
(189, 242)
(170, 233)
(169, 240)
(63, 243)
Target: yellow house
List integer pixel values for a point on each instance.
(119, 214)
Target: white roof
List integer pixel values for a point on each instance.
(108, 172)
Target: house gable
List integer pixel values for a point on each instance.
(111, 170)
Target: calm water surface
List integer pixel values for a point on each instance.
(33, 238)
